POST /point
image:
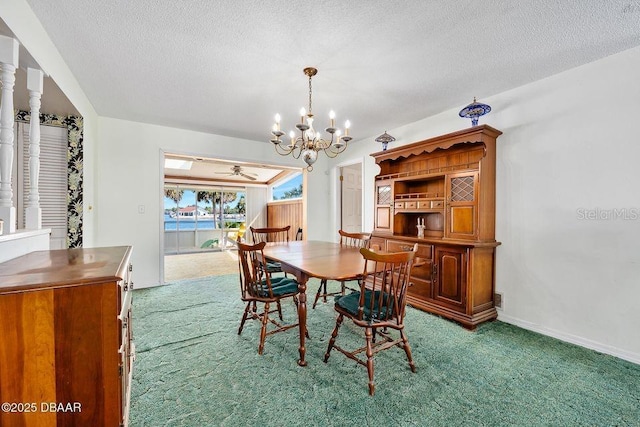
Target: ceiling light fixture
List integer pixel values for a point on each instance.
(310, 141)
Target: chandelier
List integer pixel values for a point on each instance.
(309, 142)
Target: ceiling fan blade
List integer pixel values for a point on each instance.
(247, 176)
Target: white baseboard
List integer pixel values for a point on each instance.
(573, 339)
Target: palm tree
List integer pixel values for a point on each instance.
(206, 197)
(224, 200)
(174, 194)
(242, 205)
(217, 199)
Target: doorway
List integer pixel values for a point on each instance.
(351, 198)
(202, 218)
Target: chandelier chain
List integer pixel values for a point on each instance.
(310, 110)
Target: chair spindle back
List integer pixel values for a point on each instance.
(254, 282)
(270, 234)
(386, 276)
(355, 240)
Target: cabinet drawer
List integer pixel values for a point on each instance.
(424, 251)
(420, 288)
(398, 246)
(410, 205)
(437, 204)
(424, 204)
(399, 205)
(377, 244)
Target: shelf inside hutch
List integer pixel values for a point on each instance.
(406, 224)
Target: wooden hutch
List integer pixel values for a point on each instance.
(446, 183)
(66, 350)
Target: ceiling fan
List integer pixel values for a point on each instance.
(237, 171)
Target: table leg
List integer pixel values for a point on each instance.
(302, 317)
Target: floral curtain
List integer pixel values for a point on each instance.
(74, 125)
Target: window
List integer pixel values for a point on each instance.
(202, 218)
(291, 188)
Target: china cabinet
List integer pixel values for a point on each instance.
(440, 193)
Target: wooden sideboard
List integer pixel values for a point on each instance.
(66, 348)
(446, 183)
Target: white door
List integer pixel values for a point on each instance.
(351, 198)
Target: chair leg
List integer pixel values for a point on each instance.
(263, 330)
(279, 310)
(323, 282)
(334, 335)
(368, 335)
(407, 349)
(324, 290)
(244, 317)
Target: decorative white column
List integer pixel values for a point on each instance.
(33, 212)
(9, 63)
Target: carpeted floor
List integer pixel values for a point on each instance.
(192, 369)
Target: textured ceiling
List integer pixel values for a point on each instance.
(228, 67)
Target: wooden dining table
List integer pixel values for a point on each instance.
(310, 258)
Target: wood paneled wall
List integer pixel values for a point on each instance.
(281, 214)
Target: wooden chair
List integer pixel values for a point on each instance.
(271, 234)
(257, 287)
(355, 240)
(378, 308)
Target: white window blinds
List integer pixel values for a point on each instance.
(52, 183)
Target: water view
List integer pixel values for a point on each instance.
(230, 221)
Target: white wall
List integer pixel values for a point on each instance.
(129, 175)
(569, 147)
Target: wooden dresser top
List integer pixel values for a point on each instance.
(64, 267)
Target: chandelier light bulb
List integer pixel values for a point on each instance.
(347, 125)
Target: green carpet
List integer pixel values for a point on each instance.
(192, 369)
